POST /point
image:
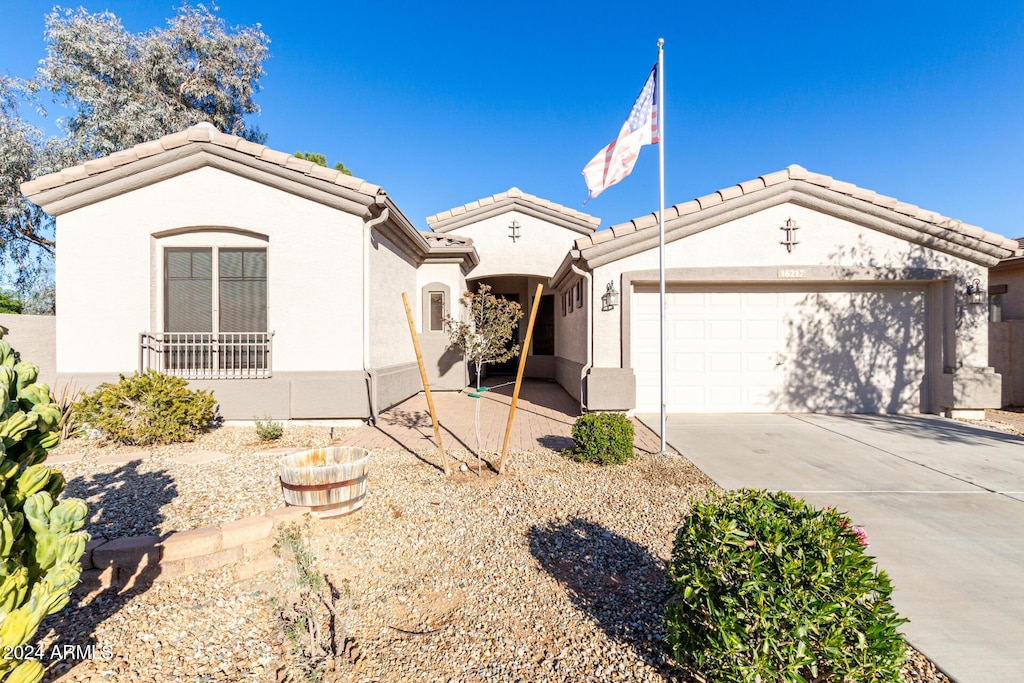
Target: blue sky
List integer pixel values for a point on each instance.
(443, 103)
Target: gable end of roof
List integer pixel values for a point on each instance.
(814, 190)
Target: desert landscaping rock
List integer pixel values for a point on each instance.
(165, 492)
(554, 572)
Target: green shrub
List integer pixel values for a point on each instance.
(149, 408)
(768, 588)
(41, 539)
(604, 438)
(267, 429)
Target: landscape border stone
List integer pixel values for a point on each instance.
(130, 561)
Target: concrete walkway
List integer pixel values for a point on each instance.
(942, 502)
(544, 418)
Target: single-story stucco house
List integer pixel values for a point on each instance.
(277, 283)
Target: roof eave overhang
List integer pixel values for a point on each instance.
(513, 204)
(180, 160)
(564, 270)
(412, 243)
(811, 196)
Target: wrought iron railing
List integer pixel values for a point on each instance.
(204, 355)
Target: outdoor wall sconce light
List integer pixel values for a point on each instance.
(975, 295)
(610, 298)
(513, 230)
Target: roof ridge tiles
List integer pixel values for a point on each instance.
(513, 194)
(799, 174)
(200, 133)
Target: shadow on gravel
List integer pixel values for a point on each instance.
(122, 503)
(614, 580)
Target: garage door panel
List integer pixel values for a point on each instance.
(826, 350)
(686, 330)
(763, 329)
(726, 362)
(726, 329)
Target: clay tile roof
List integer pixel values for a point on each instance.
(800, 174)
(481, 208)
(199, 134)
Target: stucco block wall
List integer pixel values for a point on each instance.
(538, 251)
(103, 307)
(824, 240)
(35, 338)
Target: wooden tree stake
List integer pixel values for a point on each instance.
(426, 384)
(519, 376)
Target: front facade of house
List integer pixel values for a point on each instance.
(278, 284)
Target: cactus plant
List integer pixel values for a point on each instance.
(41, 540)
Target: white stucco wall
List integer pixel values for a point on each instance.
(107, 270)
(391, 274)
(538, 251)
(824, 240)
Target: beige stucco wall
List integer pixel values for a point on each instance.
(538, 251)
(571, 328)
(1006, 354)
(824, 240)
(446, 371)
(108, 271)
(391, 274)
(34, 337)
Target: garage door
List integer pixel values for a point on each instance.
(796, 349)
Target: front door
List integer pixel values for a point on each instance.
(510, 366)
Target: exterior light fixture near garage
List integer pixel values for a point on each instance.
(975, 295)
(610, 298)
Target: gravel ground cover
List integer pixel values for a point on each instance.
(553, 573)
(157, 495)
(1006, 420)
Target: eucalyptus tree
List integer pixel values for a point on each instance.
(117, 89)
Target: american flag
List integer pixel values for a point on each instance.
(616, 161)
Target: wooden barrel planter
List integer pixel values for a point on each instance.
(331, 481)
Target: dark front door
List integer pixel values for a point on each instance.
(510, 366)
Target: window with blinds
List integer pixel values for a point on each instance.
(241, 287)
(189, 290)
(243, 290)
(215, 315)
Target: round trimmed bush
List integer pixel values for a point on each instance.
(768, 588)
(604, 438)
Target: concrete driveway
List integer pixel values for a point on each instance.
(942, 502)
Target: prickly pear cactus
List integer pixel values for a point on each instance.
(41, 541)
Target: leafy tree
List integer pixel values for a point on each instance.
(321, 160)
(485, 336)
(9, 303)
(120, 89)
(124, 89)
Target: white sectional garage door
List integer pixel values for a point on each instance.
(782, 349)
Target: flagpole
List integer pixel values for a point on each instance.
(661, 225)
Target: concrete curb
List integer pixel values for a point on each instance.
(123, 563)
